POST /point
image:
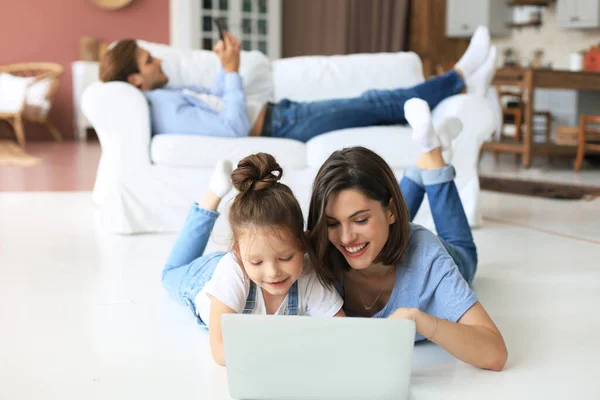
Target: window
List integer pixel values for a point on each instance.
(257, 23)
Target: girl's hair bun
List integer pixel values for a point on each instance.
(256, 172)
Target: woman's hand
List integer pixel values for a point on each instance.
(474, 339)
(405, 313)
(426, 324)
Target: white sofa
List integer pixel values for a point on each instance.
(146, 184)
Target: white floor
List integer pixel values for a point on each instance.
(83, 315)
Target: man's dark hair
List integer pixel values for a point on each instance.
(119, 62)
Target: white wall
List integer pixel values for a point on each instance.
(557, 43)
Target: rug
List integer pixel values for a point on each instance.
(548, 190)
(12, 155)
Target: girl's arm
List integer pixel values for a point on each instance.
(340, 313)
(474, 339)
(217, 309)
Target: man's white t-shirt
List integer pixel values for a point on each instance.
(229, 285)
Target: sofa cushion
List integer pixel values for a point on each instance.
(203, 151)
(328, 77)
(199, 67)
(393, 143)
(13, 90)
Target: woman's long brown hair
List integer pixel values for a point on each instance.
(362, 169)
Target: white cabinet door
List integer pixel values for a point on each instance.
(463, 16)
(565, 10)
(578, 13)
(588, 13)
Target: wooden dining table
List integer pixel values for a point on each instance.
(530, 79)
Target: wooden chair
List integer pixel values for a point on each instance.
(588, 138)
(513, 110)
(516, 115)
(514, 79)
(47, 77)
(510, 86)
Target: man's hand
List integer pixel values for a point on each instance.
(228, 52)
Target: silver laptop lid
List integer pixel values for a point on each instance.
(292, 357)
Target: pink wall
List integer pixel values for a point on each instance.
(49, 30)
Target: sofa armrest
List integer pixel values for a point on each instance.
(119, 113)
(478, 123)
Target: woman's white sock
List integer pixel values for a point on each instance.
(448, 130)
(476, 52)
(418, 115)
(220, 181)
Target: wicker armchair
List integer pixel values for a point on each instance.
(38, 99)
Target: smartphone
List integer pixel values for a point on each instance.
(219, 23)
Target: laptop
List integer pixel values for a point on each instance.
(297, 357)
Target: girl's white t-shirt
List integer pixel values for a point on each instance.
(231, 287)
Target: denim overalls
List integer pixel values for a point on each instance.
(188, 269)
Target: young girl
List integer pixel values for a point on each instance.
(265, 273)
(387, 267)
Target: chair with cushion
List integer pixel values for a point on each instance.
(26, 93)
(13, 90)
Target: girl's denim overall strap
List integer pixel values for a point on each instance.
(251, 299)
(292, 305)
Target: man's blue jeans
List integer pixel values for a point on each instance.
(305, 120)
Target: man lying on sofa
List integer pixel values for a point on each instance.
(222, 110)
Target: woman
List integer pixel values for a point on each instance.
(386, 267)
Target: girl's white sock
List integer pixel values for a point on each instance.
(220, 181)
(418, 115)
(476, 52)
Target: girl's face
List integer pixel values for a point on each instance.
(357, 226)
(271, 259)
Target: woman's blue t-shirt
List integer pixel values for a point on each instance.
(428, 279)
